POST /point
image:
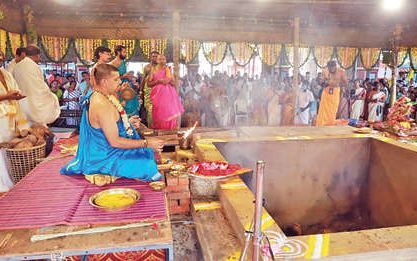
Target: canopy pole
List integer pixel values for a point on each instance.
(394, 46)
(176, 19)
(296, 54)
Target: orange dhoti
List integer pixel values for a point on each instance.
(329, 105)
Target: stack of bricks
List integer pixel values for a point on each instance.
(178, 193)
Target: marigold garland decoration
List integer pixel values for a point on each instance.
(346, 56)
(402, 54)
(369, 57)
(85, 48)
(23, 40)
(15, 42)
(129, 44)
(322, 55)
(3, 40)
(56, 47)
(269, 53)
(304, 54)
(149, 45)
(189, 50)
(214, 52)
(242, 53)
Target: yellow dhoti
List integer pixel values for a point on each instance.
(329, 105)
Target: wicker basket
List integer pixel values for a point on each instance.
(22, 161)
(201, 186)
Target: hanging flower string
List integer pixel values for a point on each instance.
(147, 46)
(122, 112)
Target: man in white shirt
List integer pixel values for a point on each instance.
(41, 105)
(304, 99)
(19, 55)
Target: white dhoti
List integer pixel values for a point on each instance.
(357, 109)
(40, 105)
(304, 100)
(10, 118)
(376, 108)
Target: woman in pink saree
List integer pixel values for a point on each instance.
(166, 104)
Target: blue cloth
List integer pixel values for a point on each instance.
(132, 106)
(82, 87)
(122, 69)
(96, 156)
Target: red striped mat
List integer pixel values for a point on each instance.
(47, 198)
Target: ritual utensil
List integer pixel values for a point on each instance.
(115, 199)
(157, 185)
(96, 230)
(184, 137)
(255, 234)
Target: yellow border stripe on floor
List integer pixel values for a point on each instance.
(207, 205)
(267, 221)
(326, 243)
(233, 185)
(318, 246)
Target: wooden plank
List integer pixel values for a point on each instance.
(216, 237)
(20, 244)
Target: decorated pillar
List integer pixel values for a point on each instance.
(296, 54)
(296, 50)
(176, 19)
(395, 41)
(32, 36)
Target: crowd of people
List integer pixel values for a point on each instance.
(225, 100)
(117, 103)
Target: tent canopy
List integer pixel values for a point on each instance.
(353, 23)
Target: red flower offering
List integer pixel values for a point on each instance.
(214, 168)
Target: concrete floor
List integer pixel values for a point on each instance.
(186, 247)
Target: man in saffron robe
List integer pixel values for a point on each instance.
(329, 103)
(109, 145)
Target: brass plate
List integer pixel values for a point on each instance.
(178, 167)
(115, 199)
(364, 130)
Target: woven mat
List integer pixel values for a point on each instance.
(47, 198)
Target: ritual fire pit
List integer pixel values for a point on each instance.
(327, 185)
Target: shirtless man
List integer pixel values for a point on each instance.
(334, 80)
(146, 90)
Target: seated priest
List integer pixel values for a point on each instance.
(109, 145)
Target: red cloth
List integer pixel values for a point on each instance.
(216, 168)
(144, 255)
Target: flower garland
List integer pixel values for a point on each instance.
(129, 44)
(269, 53)
(303, 54)
(369, 57)
(85, 48)
(322, 55)
(346, 56)
(15, 41)
(55, 47)
(242, 53)
(121, 111)
(149, 45)
(214, 52)
(3, 40)
(189, 49)
(403, 52)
